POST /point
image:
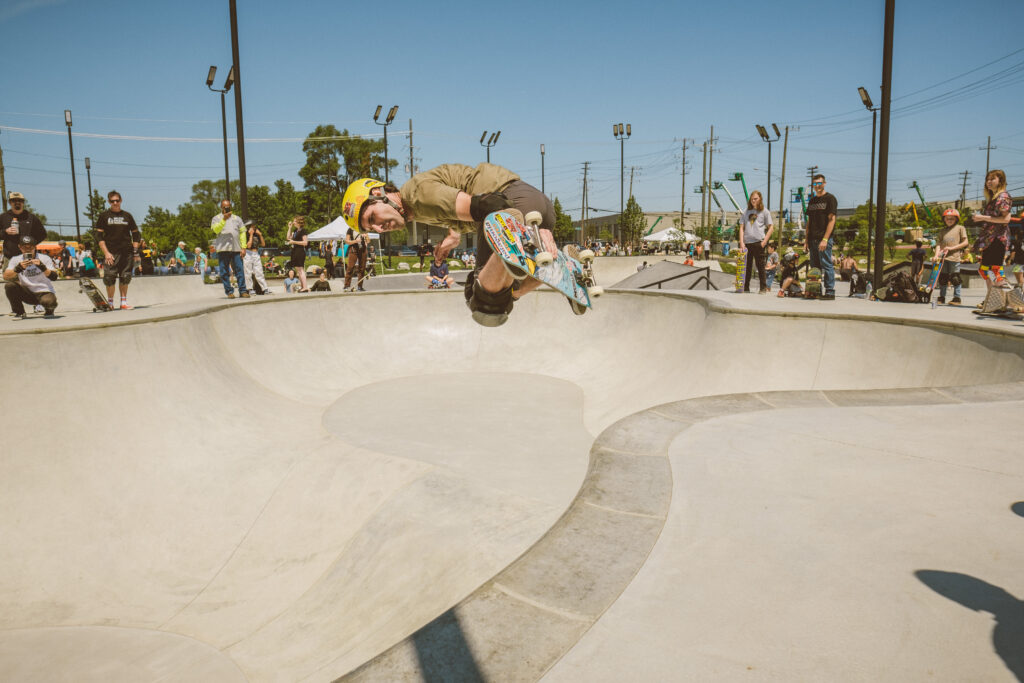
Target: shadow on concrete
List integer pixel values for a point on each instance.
(1018, 508)
(977, 595)
(444, 654)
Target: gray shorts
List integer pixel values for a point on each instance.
(526, 198)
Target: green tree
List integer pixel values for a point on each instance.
(334, 158)
(633, 222)
(563, 232)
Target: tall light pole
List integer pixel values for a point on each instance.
(88, 204)
(622, 135)
(387, 122)
(223, 119)
(243, 191)
(542, 170)
(763, 132)
(866, 99)
(883, 139)
(74, 185)
(491, 142)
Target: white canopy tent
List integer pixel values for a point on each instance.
(335, 230)
(670, 235)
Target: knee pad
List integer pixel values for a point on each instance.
(125, 278)
(955, 280)
(109, 278)
(490, 309)
(943, 279)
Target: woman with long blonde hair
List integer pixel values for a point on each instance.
(755, 232)
(993, 239)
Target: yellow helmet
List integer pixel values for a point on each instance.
(356, 196)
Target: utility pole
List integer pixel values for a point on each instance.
(988, 154)
(782, 190)
(703, 184)
(711, 160)
(583, 214)
(682, 195)
(3, 180)
(963, 190)
(632, 169)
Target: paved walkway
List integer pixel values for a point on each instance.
(719, 486)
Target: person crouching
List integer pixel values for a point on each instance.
(28, 279)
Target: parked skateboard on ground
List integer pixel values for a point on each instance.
(521, 250)
(1005, 315)
(813, 285)
(741, 270)
(99, 302)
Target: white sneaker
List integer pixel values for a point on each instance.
(38, 308)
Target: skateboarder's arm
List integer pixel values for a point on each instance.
(450, 241)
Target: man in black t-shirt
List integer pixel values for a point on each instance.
(27, 224)
(821, 222)
(118, 236)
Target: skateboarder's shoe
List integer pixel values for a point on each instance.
(49, 313)
(489, 309)
(125, 306)
(20, 316)
(941, 300)
(245, 295)
(955, 301)
(231, 295)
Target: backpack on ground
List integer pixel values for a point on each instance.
(858, 283)
(901, 287)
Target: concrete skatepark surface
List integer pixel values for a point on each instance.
(322, 486)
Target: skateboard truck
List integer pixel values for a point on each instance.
(534, 246)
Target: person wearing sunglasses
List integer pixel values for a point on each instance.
(118, 237)
(821, 222)
(16, 222)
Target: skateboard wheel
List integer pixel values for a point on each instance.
(543, 258)
(586, 256)
(534, 218)
(596, 291)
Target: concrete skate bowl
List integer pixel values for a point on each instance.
(306, 489)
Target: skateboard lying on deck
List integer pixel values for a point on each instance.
(99, 302)
(1005, 315)
(521, 249)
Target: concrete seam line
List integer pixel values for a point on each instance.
(623, 512)
(541, 606)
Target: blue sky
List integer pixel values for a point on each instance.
(558, 74)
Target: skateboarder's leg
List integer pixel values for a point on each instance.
(18, 297)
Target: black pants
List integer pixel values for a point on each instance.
(755, 252)
(19, 296)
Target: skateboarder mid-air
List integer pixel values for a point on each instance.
(459, 197)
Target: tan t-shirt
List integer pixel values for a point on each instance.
(949, 238)
(430, 195)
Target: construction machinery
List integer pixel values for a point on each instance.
(739, 177)
(914, 186)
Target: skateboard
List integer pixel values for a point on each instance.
(521, 250)
(741, 270)
(99, 302)
(933, 279)
(813, 285)
(1005, 315)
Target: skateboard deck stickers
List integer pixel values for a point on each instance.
(506, 235)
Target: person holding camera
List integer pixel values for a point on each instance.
(28, 279)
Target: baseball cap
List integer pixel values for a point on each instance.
(15, 195)
(27, 240)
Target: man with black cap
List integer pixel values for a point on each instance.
(15, 223)
(28, 279)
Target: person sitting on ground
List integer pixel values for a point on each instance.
(688, 261)
(28, 279)
(271, 266)
(771, 265)
(322, 285)
(642, 266)
(439, 276)
(290, 281)
(790, 284)
(917, 255)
